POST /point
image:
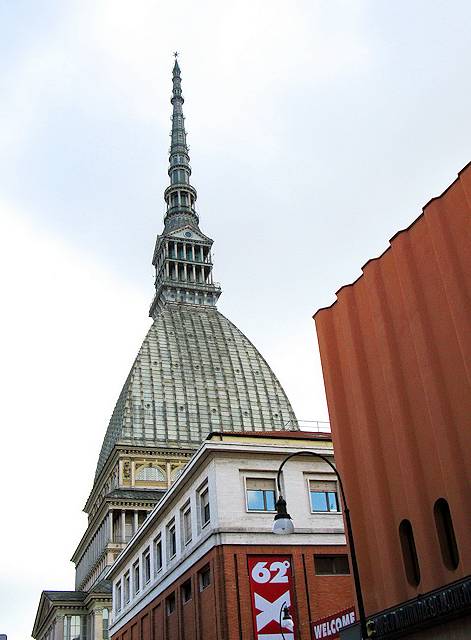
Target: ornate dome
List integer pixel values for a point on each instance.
(195, 373)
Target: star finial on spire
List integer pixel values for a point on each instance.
(175, 53)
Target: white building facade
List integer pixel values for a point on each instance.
(226, 498)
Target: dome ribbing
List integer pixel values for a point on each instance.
(195, 372)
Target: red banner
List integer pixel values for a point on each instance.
(271, 589)
(330, 626)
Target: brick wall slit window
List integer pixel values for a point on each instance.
(171, 603)
(146, 565)
(171, 540)
(446, 534)
(127, 587)
(330, 565)
(260, 494)
(323, 496)
(204, 577)
(409, 553)
(158, 557)
(205, 513)
(186, 591)
(136, 577)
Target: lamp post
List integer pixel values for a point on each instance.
(283, 524)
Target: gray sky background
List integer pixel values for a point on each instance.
(318, 129)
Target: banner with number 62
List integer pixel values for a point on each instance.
(271, 588)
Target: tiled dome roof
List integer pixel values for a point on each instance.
(195, 373)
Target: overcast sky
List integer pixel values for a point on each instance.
(317, 130)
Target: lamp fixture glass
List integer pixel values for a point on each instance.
(282, 523)
(287, 620)
(283, 526)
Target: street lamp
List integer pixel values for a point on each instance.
(286, 621)
(283, 524)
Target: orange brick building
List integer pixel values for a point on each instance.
(222, 610)
(396, 354)
(180, 581)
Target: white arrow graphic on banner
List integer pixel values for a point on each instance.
(270, 610)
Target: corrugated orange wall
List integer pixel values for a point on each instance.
(396, 357)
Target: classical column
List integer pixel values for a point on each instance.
(59, 628)
(136, 520)
(97, 624)
(123, 525)
(133, 473)
(110, 525)
(194, 273)
(193, 252)
(185, 272)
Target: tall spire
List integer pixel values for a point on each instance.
(180, 196)
(182, 255)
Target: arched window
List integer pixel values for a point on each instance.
(176, 473)
(446, 534)
(409, 553)
(150, 473)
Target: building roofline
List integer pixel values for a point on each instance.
(398, 233)
(207, 448)
(295, 435)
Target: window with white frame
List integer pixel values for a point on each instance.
(260, 494)
(146, 565)
(117, 593)
(127, 587)
(205, 512)
(323, 496)
(186, 524)
(136, 577)
(158, 556)
(171, 540)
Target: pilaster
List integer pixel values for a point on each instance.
(59, 628)
(98, 623)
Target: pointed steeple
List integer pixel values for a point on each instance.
(180, 196)
(182, 255)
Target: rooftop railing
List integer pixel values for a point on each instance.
(318, 426)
